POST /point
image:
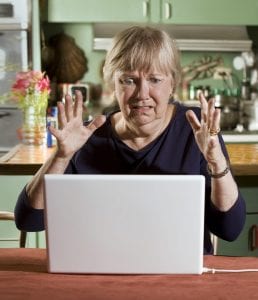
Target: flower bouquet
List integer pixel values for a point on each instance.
(31, 88)
(30, 91)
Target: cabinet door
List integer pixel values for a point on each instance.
(243, 245)
(209, 12)
(98, 11)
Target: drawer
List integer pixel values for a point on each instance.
(250, 195)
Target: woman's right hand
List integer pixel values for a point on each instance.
(71, 134)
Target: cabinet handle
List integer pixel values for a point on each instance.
(145, 8)
(254, 237)
(168, 10)
(4, 114)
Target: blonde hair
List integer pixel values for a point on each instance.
(142, 48)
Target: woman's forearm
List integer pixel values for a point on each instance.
(224, 192)
(54, 165)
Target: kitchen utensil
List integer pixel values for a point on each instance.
(229, 111)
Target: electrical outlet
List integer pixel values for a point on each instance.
(222, 73)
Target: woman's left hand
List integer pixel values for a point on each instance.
(206, 130)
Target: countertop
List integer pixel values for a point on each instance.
(243, 159)
(26, 160)
(243, 137)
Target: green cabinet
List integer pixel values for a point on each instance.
(248, 238)
(203, 12)
(98, 11)
(243, 245)
(210, 12)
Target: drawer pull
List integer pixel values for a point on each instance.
(4, 114)
(254, 237)
(145, 8)
(168, 10)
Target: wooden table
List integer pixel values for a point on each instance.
(26, 160)
(23, 275)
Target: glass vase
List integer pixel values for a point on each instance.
(34, 121)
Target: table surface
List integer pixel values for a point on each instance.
(23, 275)
(26, 160)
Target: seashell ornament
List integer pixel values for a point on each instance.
(67, 62)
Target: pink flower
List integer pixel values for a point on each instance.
(43, 85)
(30, 83)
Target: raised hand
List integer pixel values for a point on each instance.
(72, 134)
(206, 130)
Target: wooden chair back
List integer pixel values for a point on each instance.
(9, 216)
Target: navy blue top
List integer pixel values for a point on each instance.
(173, 152)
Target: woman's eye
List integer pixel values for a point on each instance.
(127, 81)
(155, 80)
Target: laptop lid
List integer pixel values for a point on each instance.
(125, 224)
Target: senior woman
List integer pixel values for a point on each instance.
(149, 134)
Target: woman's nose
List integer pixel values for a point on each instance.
(143, 90)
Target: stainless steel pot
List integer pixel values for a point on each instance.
(229, 111)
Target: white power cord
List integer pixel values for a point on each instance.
(213, 270)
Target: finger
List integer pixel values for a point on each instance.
(54, 131)
(78, 103)
(211, 111)
(193, 120)
(96, 123)
(216, 119)
(214, 115)
(61, 115)
(204, 108)
(68, 107)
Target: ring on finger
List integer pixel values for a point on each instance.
(213, 132)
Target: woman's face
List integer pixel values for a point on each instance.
(143, 97)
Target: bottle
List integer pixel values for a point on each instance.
(184, 91)
(198, 91)
(245, 89)
(191, 92)
(217, 94)
(227, 92)
(53, 121)
(206, 92)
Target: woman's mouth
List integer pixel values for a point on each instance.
(141, 107)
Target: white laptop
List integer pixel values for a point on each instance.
(125, 224)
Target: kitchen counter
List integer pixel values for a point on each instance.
(235, 137)
(243, 158)
(26, 160)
